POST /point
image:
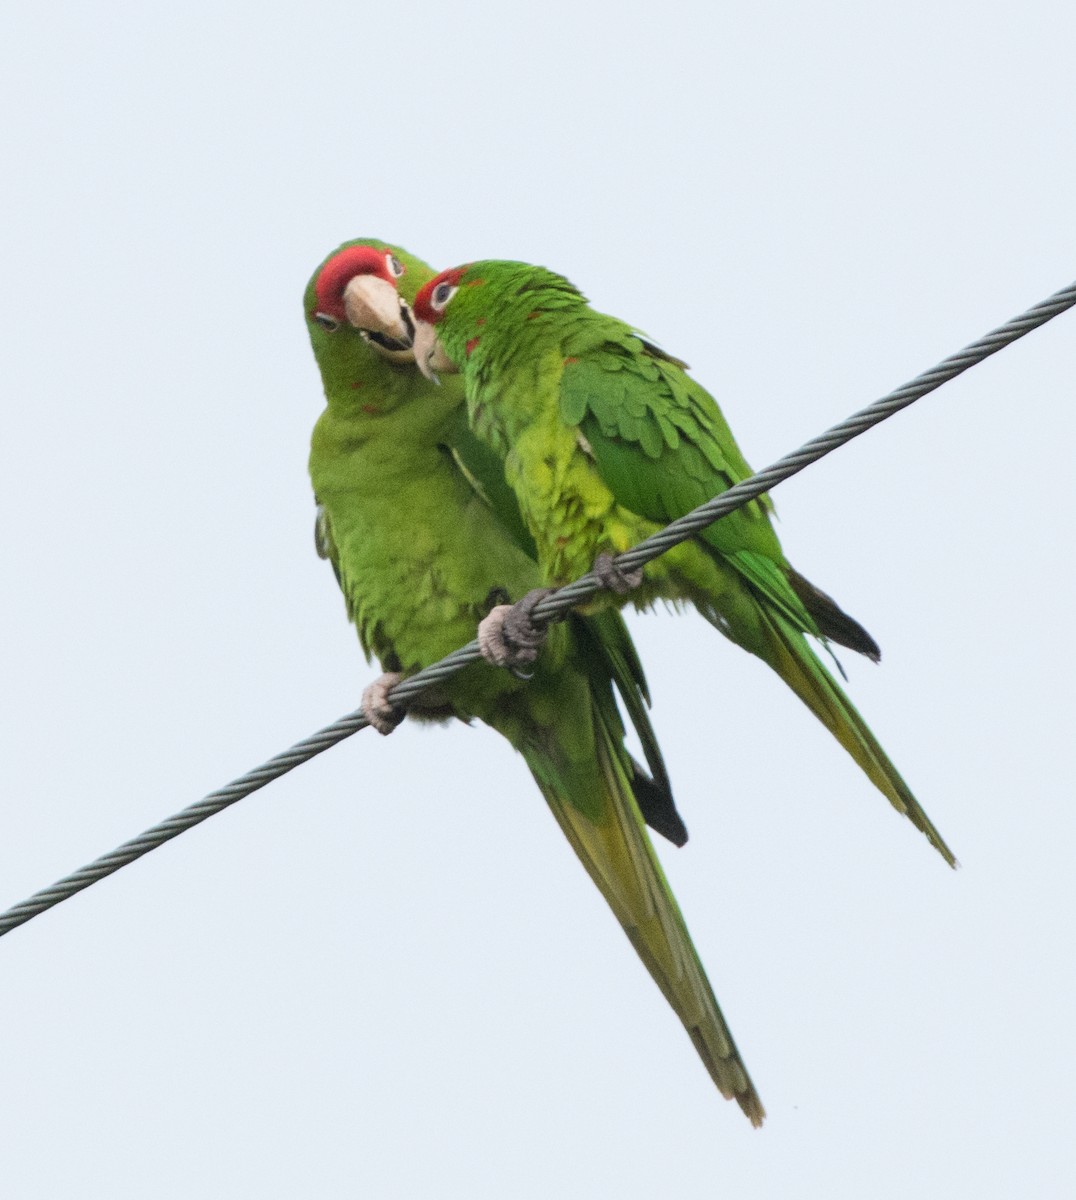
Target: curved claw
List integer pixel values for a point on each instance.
(376, 707)
(510, 636)
(614, 578)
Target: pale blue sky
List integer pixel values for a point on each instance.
(387, 976)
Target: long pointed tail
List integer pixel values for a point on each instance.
(787, 650)
(593, 803)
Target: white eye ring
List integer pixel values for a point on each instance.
(395, 266)
(442, 293)
(329, 324)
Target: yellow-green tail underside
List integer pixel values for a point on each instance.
(607, 833)
(789, 653)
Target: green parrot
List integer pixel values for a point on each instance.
(424, 536)
(605, 438)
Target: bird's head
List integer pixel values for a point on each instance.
(431, 310)
(356, 293)
(481, 304)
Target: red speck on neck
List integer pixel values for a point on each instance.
(371, 409)
(471, 345)
(570, 359)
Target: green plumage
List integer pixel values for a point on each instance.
(424, 536)
(605, 438)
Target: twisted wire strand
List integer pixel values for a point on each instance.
(555, 605)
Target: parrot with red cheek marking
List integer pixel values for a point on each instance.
(605, 438)
(425, 537)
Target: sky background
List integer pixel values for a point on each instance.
(386, 975)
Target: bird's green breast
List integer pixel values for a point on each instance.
(570, 511)
(406, 526)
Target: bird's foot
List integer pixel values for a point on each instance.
(510, 636)
(376, 706)
(614, 578)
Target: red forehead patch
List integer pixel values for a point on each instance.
(423, 306)
(341, 269)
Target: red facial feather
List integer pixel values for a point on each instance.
(422, 308)
(341, 269)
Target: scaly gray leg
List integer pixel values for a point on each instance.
(376, 707)
(615, 579)
(509, 636)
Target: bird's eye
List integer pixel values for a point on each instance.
(330, 324)
(395, 266)
(442, 293)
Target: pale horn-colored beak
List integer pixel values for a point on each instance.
(430, 354)
(373, 306)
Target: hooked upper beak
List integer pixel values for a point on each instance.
(430, 354)
(374, 306)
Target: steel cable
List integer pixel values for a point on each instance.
(553, 606)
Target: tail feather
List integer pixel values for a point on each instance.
(789, 653)
(832, 621)
(603, 637)
(657, 806)
(597, 812)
